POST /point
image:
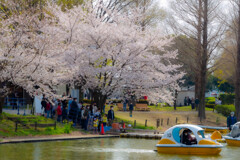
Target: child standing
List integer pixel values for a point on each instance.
(104, 120)
(59, 112)
(95, 125)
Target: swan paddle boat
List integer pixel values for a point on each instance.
(187, 139)
(233, 138)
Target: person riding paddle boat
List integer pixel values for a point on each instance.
(187, 139)
(233, 138)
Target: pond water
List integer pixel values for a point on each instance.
(100, 149)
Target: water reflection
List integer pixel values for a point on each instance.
(100, 149)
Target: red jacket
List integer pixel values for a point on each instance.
(48, 107)
(59, 111)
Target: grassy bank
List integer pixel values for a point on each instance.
(26, 126)
(184, 115)
(179, 109)
(138, 125)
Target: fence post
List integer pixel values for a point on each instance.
(156, 123)
(168, 121)
(135, 123)
(146, 123)
(16, 125)
(35, 125)
(32, 110)
(187, 119)
(176, 120)
(55, 125)
(162, 122)
(18, 108)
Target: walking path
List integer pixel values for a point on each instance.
(53, 138)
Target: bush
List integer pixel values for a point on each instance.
(67, 128)
(225, 109)
(143, 101)
(227, 98)
(210, 100)
(209, 105)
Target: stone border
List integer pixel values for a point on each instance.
(56, 139)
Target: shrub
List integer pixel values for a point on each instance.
(210, 100)
(227, 98)
(209, 105)
(225, 109)
(67, 128)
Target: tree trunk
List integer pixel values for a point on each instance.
(203, 71)
(197, 89)
(199, 53)
(175, 100)
(237, 81)
(99, 99)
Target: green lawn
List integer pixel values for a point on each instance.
(184, 108)
(8, 126)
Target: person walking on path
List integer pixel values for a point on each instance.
(59, 113)
(189, 101)
(110, 116)
(185, 101)
(193, 103)
(131, 109)
(231, 120)
(196, 103)
(125, 105)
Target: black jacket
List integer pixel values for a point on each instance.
(110, 114)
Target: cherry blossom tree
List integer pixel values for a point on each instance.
(111, 52)
(28, 43)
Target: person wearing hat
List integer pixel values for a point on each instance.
(231, 120)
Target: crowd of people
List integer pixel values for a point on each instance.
(89, 117)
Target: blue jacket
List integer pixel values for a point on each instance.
(131, 107)
(230, 122)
